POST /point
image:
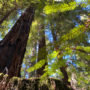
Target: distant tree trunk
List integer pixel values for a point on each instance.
(41, 51)
(62, 69)
(7, 15)
(13, 46)
(31, 64)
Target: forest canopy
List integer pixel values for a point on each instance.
(58, 34)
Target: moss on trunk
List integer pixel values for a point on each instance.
(16, 83)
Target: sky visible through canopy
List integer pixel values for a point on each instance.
(48, 32)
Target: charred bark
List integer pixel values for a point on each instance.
(41, 51)
(13, 46)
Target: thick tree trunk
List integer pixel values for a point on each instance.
(41, 51)
(7, 15)
(13, 46)
(62, 69)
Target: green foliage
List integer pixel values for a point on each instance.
(37, 65)
(53, 55)
(72, 40)
(59, 7)
(86, 49)
(73, 33)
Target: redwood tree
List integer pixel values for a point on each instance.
(13, 46)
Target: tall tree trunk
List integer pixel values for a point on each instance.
(62, 69)
(31, 64)
(13, 46)
(41, 51)
(7, 15)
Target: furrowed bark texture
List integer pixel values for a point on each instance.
(13, 46)
(42, 51)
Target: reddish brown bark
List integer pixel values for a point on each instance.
(13, 46)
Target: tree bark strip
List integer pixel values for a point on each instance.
(41, 51)
(33, 74)
(13, 46)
